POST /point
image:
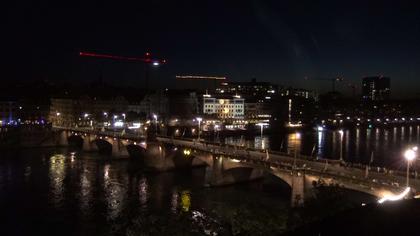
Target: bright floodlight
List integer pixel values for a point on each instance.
(86, 115)
(415, 148)
(341, 132)
(155, 63)
(410, 154)
(298, 135)
(199, 119)
(58, 114)
(155, 116)
(105, 114)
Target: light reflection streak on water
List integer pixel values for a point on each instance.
(185, 200)
(143, 192)
(114, 193)
(56, 176)
(357, 151)
(294, 141)
(261, 143)
(410, 131)
(85, 190)
(418, 133)
(368, 140)
(394, 136)
(377, 137)
(347, 137)
(174, 201)
(334, 143)
(402, 133)
(321, 143)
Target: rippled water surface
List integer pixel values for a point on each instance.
(49, 192)
(355, 145)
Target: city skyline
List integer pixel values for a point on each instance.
(277, 42)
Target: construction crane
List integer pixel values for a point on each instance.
(332, 80)
(147, 60)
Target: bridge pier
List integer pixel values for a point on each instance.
(118, 148)
(88, 143)
(63, 138)
(298, 189)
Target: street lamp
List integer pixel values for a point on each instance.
(341, 132)
(199, 119)
(410, 155)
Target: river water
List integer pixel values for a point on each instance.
(49, 192)
(384, 146)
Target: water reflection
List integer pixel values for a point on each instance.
(261, 143)
(143, 192)
(321, 142)
(115, 191)
(357, 144)
(56, 176)
(357, 141)
(185, 201)
(294, 141)
(85, 190)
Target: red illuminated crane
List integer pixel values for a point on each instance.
(147, 60)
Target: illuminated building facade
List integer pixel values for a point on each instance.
(224, 108)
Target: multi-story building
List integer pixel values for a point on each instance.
(298, 92)
(8, 110)
(245, 89)
(224, 108)
(71, 111)
(258, 98)
(376, 88)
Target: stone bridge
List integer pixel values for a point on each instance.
(230, 164)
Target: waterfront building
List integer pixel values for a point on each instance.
(376, 88)
(8, 112)
(225, 107)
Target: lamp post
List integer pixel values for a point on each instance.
(341, 132)
(410, 155)
(199, 119)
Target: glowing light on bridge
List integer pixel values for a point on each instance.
(389, 197)
(187, 152)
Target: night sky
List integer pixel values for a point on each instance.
(277, 41)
